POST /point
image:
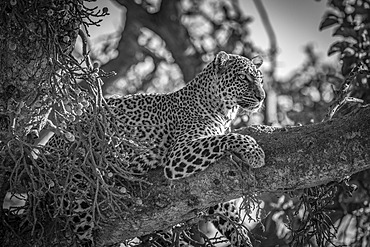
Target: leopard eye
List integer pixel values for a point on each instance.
(243, 77)
(246, 77)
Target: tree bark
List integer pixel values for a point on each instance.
(296, 158)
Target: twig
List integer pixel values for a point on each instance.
(85, 52)
(341, 95)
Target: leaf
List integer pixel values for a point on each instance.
(345, 32)
(329, 20)
(339, 4)
(338, 46)
(348, 64)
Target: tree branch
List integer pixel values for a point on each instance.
(296, 157)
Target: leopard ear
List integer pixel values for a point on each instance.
(221, 61)
(257, 61)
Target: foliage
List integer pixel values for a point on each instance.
(40, 97)
(351, 23)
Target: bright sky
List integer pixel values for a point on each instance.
(296, 23)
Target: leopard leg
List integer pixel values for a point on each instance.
(82, 222)
(228, 222)
(190, 156)
(80, 208)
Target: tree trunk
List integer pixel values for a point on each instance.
(296, 158)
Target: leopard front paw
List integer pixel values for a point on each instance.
(256, 158)
(252, 154)
(248, 151)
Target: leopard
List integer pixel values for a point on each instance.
(189, 129)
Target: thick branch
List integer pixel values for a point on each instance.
(296, 157)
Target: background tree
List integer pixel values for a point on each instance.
(201, 27)
(41, 96)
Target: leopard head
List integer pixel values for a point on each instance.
(240, 80)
